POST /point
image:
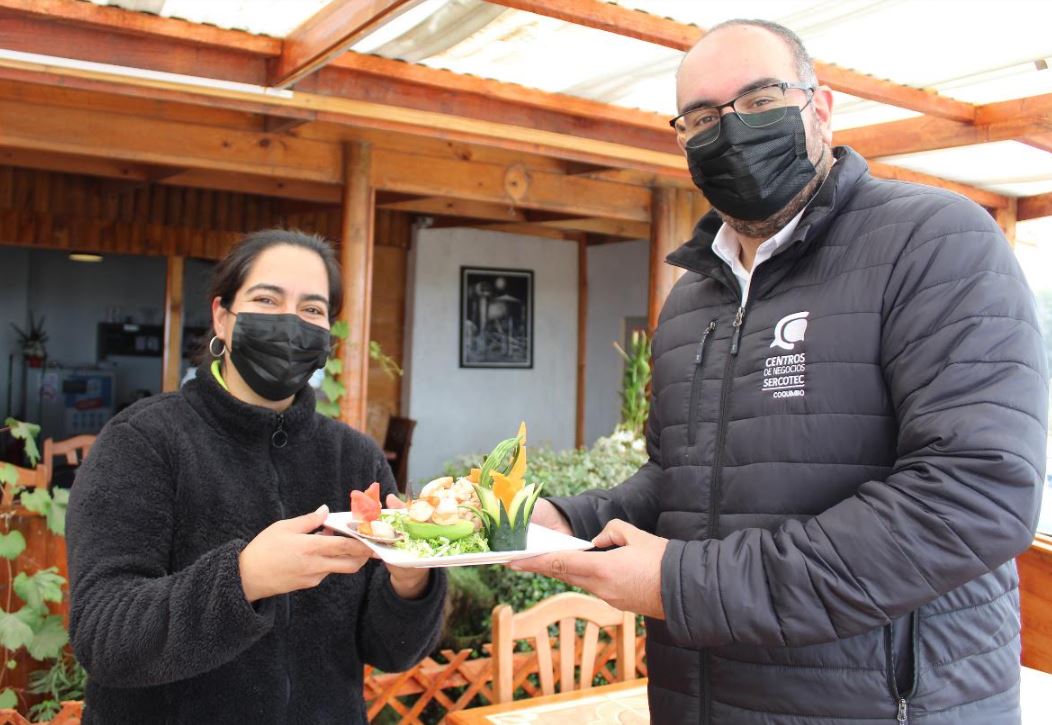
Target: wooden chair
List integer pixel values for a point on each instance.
(396, 447)
(74, 449)
(70, 452)
(566, 609)
(38, 477)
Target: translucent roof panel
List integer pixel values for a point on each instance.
(1007, 167)
(262, 17)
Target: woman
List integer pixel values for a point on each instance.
(200, 591)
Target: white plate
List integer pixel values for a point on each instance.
(539, 540)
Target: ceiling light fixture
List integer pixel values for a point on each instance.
(85, 257)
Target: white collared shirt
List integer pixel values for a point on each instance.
(727, 247)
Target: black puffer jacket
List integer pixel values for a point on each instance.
(173, 490)
(845, 468)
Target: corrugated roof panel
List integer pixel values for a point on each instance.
(276, 18)
(1008, 167)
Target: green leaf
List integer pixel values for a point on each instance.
(26, 432)
(31, 617)
(340, 329)
(12, 544)
(44, 586)
(327, 408)
(8, 699)
(56, 514)
(333, 388)
(49, 640)
(14, 632)
(8, 474)
(334, 366)
(38, 500)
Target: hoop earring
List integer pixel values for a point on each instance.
(211, 347)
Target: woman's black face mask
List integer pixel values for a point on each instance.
(276, 354)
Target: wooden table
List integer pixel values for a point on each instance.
(623, 703)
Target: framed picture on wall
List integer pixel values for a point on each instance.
(496, 318)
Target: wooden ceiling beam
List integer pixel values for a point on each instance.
(32, 34)
(130, 22)
(1007, 120)
(982, 197)
(460, 208)
(364, 114)
(680, 36)
(329, 33)
(608, 227)
(527, 230)
(1041, 141)
(1034, 207)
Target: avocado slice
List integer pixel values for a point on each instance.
(452, 532)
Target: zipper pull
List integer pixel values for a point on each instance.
(701, 345)
(904, 712)
(738, 319)
(279, 438)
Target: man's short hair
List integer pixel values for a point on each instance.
(805, 67)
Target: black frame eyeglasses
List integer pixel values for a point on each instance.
(759, 107)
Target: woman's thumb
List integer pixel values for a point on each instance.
(309, 522)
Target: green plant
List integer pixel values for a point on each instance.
(331, 385)
(635, 405)
(32, 626)
(32, 340)
(64, 681)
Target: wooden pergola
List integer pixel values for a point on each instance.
(362, 139)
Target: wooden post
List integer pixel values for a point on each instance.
(1006, 219)
(674, 213)
(171, 367)
(356, 257)
(582, 335)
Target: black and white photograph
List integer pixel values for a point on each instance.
(496, 318)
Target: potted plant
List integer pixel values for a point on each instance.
(33, 342)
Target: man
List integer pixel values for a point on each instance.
(847, 435)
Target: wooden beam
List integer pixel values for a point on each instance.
(329, 33)
(606, 227)
(150, 142)
(582, 338)
(510, 185)
(282, 124)
(170, 53)
(172, 362)
(113, 18)
(361, 114)
(356, 258)
(680, 36)
(1041, 141)
(439, 206)
(1035, 603)
(675, 213)
(1002, 121)
(525, 229)
(1035, 207)
(989, 199)
(1006, 219)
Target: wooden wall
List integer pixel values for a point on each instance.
(50, 210)
(1035, 593)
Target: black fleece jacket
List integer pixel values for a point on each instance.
(174, 489)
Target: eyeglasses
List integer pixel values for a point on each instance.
(757, 108)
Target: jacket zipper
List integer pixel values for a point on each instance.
(695, 384)
(279, 438)
(721, 434)
(902, 702)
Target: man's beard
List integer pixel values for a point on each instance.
(822, 157)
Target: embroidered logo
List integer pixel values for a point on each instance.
(783, 375)
(790, 330)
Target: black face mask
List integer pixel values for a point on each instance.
(752, 173)
(277, 354)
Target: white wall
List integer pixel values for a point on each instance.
(460, 411)
(618, 277)
(14, 278)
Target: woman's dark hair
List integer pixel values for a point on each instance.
(229, 275)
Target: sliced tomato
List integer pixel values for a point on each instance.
(365, 505)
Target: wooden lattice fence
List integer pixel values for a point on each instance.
(456, 684)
